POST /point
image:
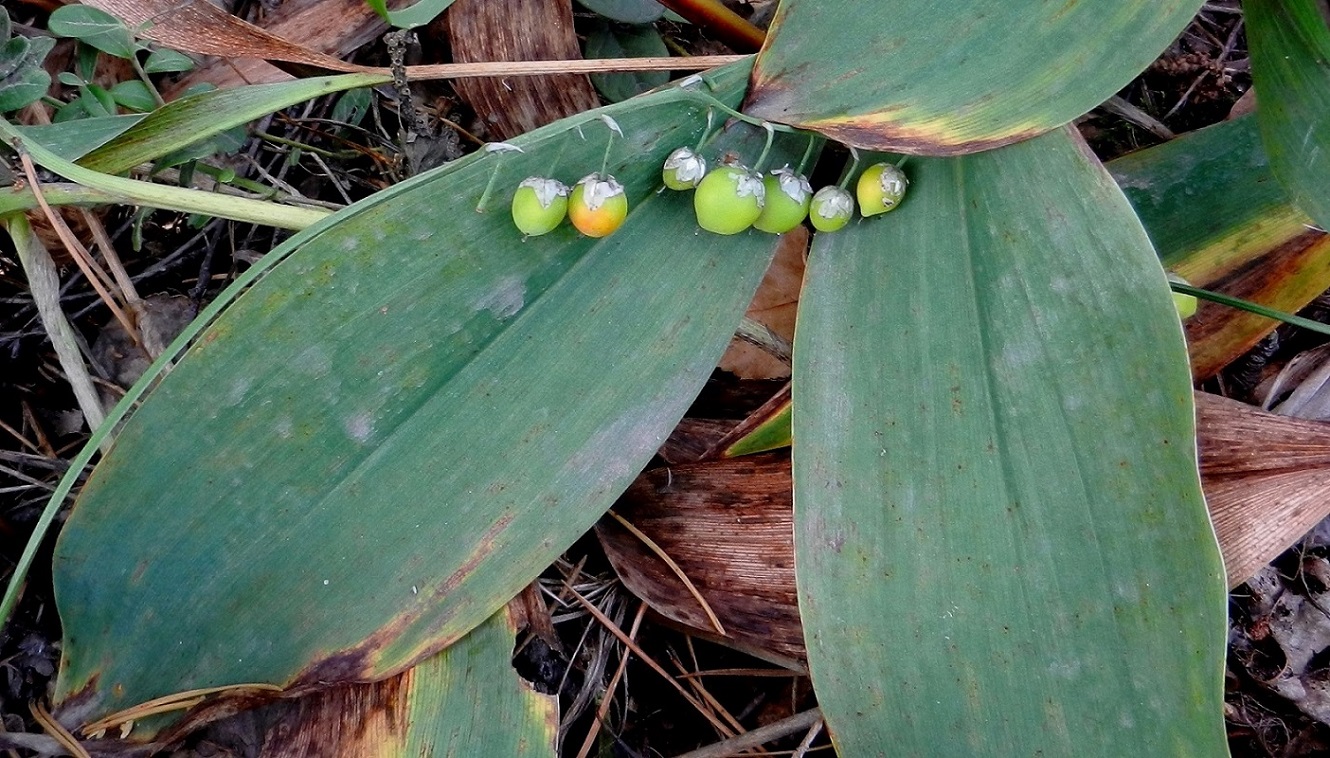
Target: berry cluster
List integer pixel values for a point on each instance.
(597, 205)
(731, 198)
(727, 199)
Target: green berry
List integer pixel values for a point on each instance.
(880, 189)
(683, 169)
(1185, 304)
(539, 205)
(729, 200)
(831, 209)
(788, 196)
(598, 205)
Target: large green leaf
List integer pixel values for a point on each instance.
(919, 76)
(1219, 218)
(1290, 55)
(1001, 545)
(397, 428)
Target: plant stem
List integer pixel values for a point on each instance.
(159, 196)
(766, 149)
(1250, 307)
(808, 153)
(744, 117)
(147, 80)
(706, 133)
(854, 166)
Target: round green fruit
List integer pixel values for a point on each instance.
(831, 209)
(683, 169)
(1185, 304)
(598, 205)
(788, 196)
(880, 189)
(539, 205)
(729, 200)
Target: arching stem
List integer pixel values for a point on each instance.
(808, 154)
(766, 149)
(854, 168)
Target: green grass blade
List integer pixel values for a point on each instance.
(72, 140)
(183, 122)
(1001, 544)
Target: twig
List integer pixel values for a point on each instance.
(540, 68)
(727, 26)
(95, 276)
(113, 262)
(44, 283)
(813, 732)
(649, 661)
(1130, 113)
(759, 736)
(605, 702)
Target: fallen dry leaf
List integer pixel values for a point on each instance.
(774, 305)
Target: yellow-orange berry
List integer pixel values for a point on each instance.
(598, 205)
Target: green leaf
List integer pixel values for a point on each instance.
(919, 76)
(1001, 545)
(72, 140)
(164, 61)
(626, 11)
(1290, 56)
(97, 187)
(70, 79)
(772, 434)
(1220, 219)
(352, 106)
(97, 101)
(93, 27)
(468, 700)
(186, 121)
(6, 29)
(23, 81)
(134, 95)
(626, 42)
(410, 417)
(85, 62)
(228, 141)
(418, 14)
